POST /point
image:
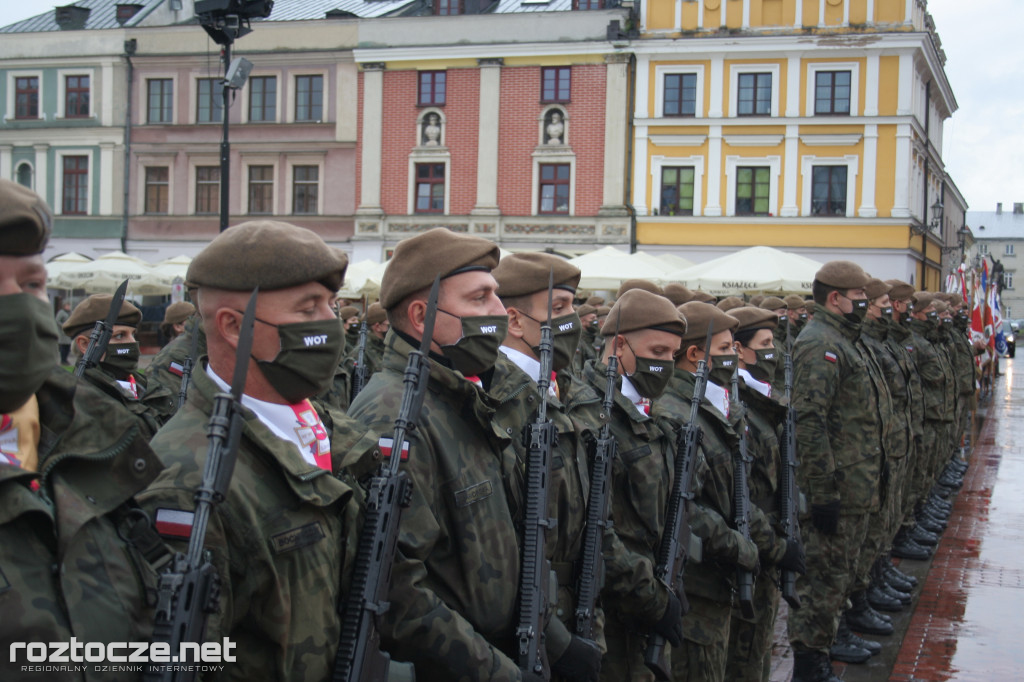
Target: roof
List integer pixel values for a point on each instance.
(304, 10)
(1005, 225)
(103, 14)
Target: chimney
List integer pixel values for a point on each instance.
(999, 208)
(71, 17)
(1018, 208)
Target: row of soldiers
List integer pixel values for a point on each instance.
(101, 473)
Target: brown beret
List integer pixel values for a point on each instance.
(842, 274)
(772, 303)
(439, 251)
(603, 310)
(644, 284)
(703, 297)
(794, 302)
(640, 309)
(923, 299)
(85, 315)
(375, 313)
(269, 254)
(951, 299)
(595, 301)
(585, 310)
(176, 313)
(940, 305)
(750, 317)
(901, 291)
(677, 293)
(522, 274)
(25, 220)
(756, 299)
(875, 288)
(347, 311)
(730, 302)
(700, 315)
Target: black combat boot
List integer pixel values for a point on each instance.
(879, 581)
(880, 600)
(812, 666)
(894, 570)
(923, 537)
(905, 548)
(896, 578)
(847, 647)
(863, 618)
(930, 523)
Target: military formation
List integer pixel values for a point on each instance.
(484, 475)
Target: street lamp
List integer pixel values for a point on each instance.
(961, 239)
(936, 215)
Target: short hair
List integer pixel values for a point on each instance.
(820, 292)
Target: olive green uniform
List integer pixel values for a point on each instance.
(165, 370)
(152, 408)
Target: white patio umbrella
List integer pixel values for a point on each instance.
(751, 270)
(60, 264)
(674, 262)
(160, 279)
(103, 275)
(607, 268)
(658, 263)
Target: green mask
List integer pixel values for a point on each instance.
(121, 359)
(860, 309)
(566, 332)
(722, 368)
(308, 359)
(477, 348)
(28, 347)
(651, 377)
(887, 313)
(764, 368)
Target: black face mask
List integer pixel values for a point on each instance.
(566, 332)
(722, 368)
(308, 359)
(477, 349)
(651, 377)
(860, 309)
(764, 369)
(121, 359)
(28, 347)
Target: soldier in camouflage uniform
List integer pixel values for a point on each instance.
(284, 538)
(523, 288)
(71, 459)
(710, 582)
(839, 439)
(373, 348)
(586, 350)
(648, 333)
(117, 373)
(167, 366)
(455, 577)
(175, 317)
(349, 316)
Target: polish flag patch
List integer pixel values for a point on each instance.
(831, 357)
(174, 523)
(176, 368)
(386, 445)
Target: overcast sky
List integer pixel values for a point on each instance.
(984, 141)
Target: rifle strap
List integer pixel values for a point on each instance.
(136, 528)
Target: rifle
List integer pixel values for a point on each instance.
(359, 380)
(535, 572)
(190, 361)
(359, 658)
(591, 562)
(675, 539)
(101, 333)
(189, 591)
(787, 476)
(741, 503)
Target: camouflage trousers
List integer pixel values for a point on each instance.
(831, 567)
(750, 643)
(883, 524)
(704, 653)
(623, 660)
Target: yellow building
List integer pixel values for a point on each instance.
(809, 125)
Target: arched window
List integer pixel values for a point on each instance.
(24, 174)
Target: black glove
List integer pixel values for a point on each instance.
(825, 517)
(794, 558)
(581, 661)
(671, 624)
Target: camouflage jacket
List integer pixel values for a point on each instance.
(837, 430)
(901, 344)
(517, 403)
(165, 370)
(64, 569)
(282, 541)
(456, 572)
(900, 435)
(338, 394)
(964, 360)
(764, 422)
(934, 372)
(642, 474)
(152, 409)
(373, 356)
(586, 350)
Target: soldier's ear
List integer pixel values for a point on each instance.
(515, 323)
(416, 313)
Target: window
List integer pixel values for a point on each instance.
(76, 97)
(828, 190)
(305, 189)
(209, 100)
(261, 189)
(445, 8)
(832, 92)
(263, 98)
(24, 175)
(1007, 284)
(159, 100)
(753, 187)
(680, 94)
(156, 189)
(309, 98)
(429, 188)
(555, 82)
(554, 188)
(588, 4)
(755, 94)
(76, 185)
(431, 88)
(207, 190)
(677, 190)
(1009, 250)
(26, 97)
(983, 249)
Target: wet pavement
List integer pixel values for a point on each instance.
(967, 617)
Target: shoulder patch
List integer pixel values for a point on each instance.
(176, 368)
(297, 538)
(174, 523)
(910, 349)
(831, 357)
(386, 445)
